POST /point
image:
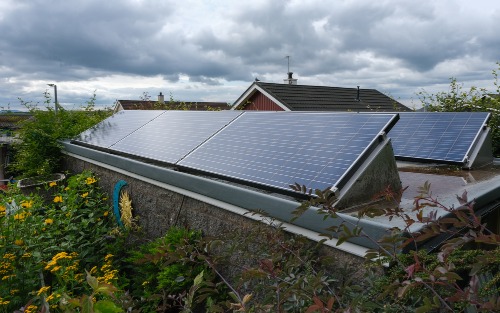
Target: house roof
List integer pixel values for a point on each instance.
(184, 105)
(11, 120)
(322, 98)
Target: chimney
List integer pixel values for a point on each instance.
(290, 80)
(357, 95)
(161, 98)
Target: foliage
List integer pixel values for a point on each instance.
(167, 273)
(45, 247)
(473, 100)
(276, 272)
(422, 282)
(38, 150)
(57, 255)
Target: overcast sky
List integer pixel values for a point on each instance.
(213, 50)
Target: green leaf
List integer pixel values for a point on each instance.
(198, 279)
(92, 281)
(106, 306)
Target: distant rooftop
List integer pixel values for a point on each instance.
(295, 97)
(161, 104)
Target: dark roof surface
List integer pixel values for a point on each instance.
(324, 98)
(12, 120)
(155, 105)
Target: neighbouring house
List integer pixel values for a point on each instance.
(160, 104)
(291, 96)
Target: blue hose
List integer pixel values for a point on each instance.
(116, 201)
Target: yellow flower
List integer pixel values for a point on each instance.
(90, 180)
(14, 291)
(19, 242)
(4, 302)
(43, 290)
(106, 213)
(52, 184)
(85, 195)
(26, 255)
(27, 204)
(9, 256)
(31, 309)
(58, 199)
(49, 221)
(107, 257)
(55, 269)
(2, 208)
(20, 216)
(50, 297)
(66, 189)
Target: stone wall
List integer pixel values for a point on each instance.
(159, 209)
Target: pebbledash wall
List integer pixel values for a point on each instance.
(159, 208)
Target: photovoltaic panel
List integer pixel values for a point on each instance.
(173, 134)
(116, 127)
(437, 136)
(278, 149)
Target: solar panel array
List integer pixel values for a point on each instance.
(272, 149)
(172, 135)
(437, 136)
(165, 136)
(280, 149)
(277, 149)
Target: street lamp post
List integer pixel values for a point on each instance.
(55, 96)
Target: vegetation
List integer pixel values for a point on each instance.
(475, 99)
(38, 150)
(46, 246)
(66, 255)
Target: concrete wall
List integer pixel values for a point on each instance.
(159, 209)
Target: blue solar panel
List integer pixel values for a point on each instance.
(278, 149)
(116, 127)
(446, 137)
(172, 135)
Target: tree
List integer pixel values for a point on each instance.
(38, 150)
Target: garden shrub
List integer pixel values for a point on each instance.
(165, 269)
(45, 248)
(38, 150)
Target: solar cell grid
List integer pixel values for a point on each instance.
(280, 149)
(174, 134)
(116, 127)
(436, 136)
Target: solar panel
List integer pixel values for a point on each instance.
(116, 127)
(277, 149)
(446, 137)
(172, 135)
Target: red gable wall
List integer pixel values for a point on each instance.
(259, 102)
